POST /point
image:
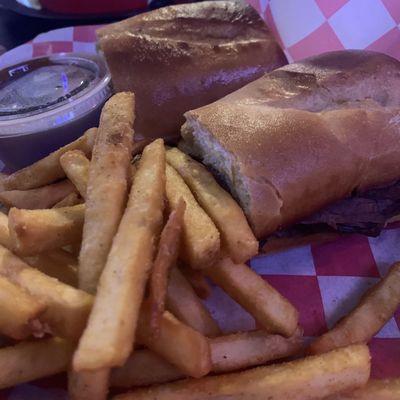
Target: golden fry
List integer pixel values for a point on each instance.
(4, 232)
(184, 304)
(144, 368)
(76, 167)
(198, 282)
(35, 231)
(270, 309)
(58, 264)
(71, 200)
(228, 353)
(375, 308)
(88, 385)
(107, 187)
(18, 311)
(48, 169)
(27, 361)
(177, 343)
(237, 237)
(375, 389)
(309, 378)
(67, 308)
(109, 336)
(167, 255)
(200, 238)
(82, 178)
(33, 199)
(246, 349)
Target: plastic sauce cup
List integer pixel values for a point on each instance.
(48, 102)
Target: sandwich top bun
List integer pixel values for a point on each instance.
(303, 136)
(181, 57)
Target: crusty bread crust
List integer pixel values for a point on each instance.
(303, 136)
(181, 57)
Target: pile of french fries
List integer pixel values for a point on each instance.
(105, 256)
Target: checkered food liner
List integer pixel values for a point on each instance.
(323, 281)
(308, 27)
(303, 28)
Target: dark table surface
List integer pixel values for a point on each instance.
(17, 28)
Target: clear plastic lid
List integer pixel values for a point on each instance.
(46, 92)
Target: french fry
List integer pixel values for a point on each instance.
(71, 200)
(144, 368)
(107, 187)
(27, 361)
(375, 389)
(280, 244)
(67, 307)
(58, 264)
(167, 255)
(77, 164)
(88, 385)
(76, 167)
(228, 353)
(247, 349)
(313, 377)
(109, 335)
(35, 231)
(184, 304)
(177, 343)
(270, 309)
(48, 169)
(18, 310)
(33, 199)
(236, 235)
(4, 232)
(200, 238)
(133, 170)
(375, 308)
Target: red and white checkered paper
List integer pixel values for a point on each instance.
(71, 39)
(324, 281)
(308, 27)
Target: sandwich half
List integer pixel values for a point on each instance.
(305, 136)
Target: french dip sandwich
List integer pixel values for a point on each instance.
(304, 137)
(182, 57)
